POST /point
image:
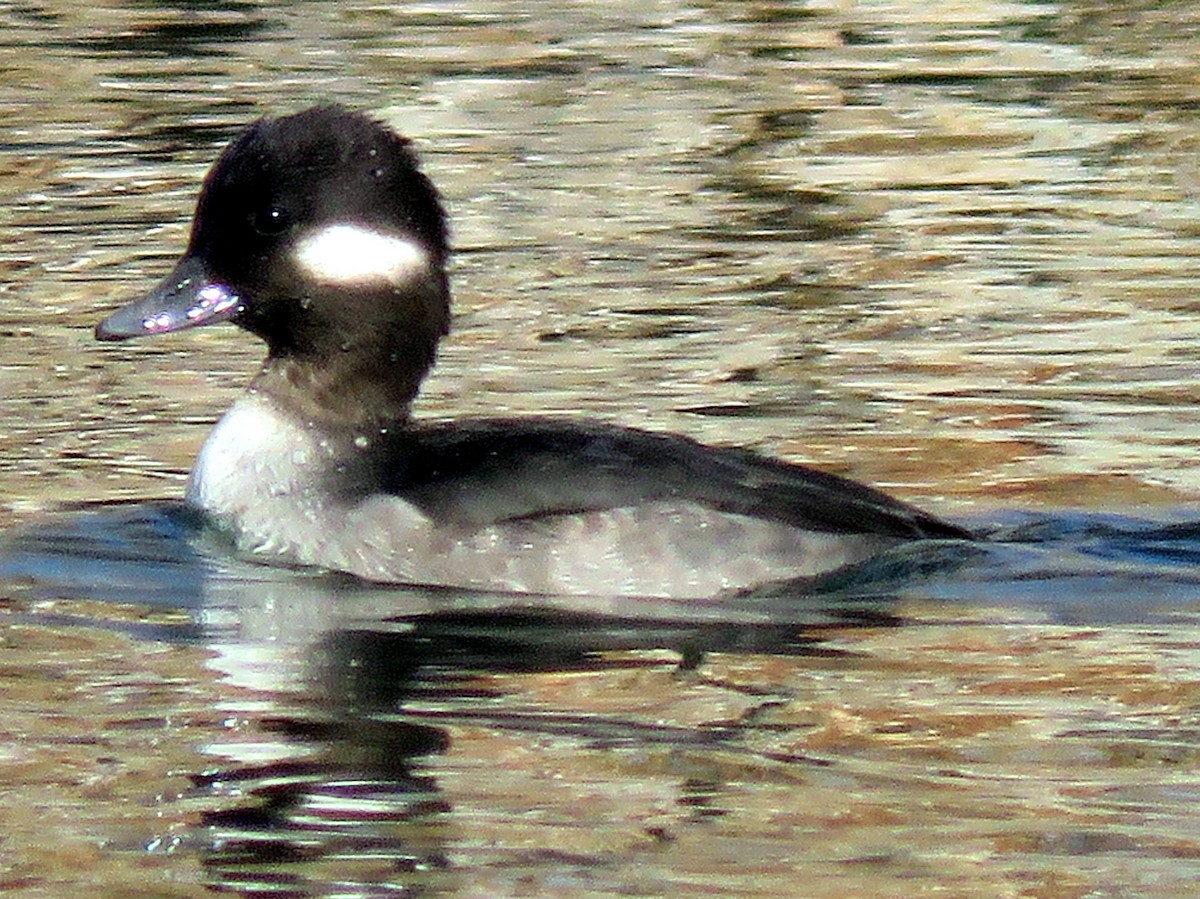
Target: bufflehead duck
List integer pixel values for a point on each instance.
(319, 233)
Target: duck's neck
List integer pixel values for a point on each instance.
(354, 360)
(348, 395)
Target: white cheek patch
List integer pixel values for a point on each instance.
(356, 255)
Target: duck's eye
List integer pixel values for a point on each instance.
(271, 221)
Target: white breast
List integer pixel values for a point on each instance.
(262, 476)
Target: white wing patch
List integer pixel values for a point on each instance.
(352, 254)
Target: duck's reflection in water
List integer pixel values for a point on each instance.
(357, 710)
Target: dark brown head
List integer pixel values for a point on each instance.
(319, 233)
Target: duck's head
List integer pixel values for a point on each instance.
(319, 233)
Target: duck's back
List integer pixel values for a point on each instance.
(481, 471)
(549, 506)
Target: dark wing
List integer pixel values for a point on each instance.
(484, 471)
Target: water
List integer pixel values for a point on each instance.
(945, 248)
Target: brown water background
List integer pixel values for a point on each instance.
(944, 247)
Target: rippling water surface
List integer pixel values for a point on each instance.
(946, 248)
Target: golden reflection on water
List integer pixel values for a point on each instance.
(896, 244)
(947, 248)
(971, 760)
